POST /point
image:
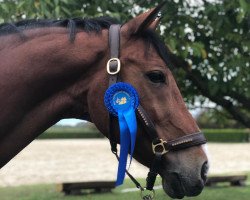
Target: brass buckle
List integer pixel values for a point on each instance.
(159, 146)
(118, 66)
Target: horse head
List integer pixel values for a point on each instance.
(146, 64)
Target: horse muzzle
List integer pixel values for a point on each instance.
(187, 183)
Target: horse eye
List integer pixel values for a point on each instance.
(156, 77)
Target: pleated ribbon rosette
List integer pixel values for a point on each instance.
(121, 100)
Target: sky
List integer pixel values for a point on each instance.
(69, 122)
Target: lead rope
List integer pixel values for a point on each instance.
(137, 184)
(147, 193)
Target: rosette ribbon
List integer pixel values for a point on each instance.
(121, 100)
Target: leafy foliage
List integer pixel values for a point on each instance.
(211, 41)
(216, 119)
(88, 130)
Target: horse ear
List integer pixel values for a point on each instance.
(155, 23)
(147, 20)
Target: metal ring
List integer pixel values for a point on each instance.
(159, 144)
(149, 195)
(118, 66)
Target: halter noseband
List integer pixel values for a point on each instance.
(159, 146)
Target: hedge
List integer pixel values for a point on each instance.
(227, 135)
(212, 135)
(70, 133)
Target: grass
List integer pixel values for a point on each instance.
(48, 192)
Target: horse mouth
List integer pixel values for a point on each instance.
(175, 187)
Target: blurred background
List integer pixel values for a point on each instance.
(212, 42)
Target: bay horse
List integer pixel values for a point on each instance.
(55, 69)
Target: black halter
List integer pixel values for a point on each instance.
(159, 146)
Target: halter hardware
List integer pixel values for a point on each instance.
(147, 194)
(158, 146)
(113, 68)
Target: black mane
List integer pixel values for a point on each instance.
(87, 25)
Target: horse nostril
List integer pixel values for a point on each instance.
(204, 171)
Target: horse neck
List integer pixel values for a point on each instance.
(44, 79)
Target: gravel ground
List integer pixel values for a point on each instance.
(56, 161)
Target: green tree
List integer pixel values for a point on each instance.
(213, 46)
(210, 41)
(216, 119)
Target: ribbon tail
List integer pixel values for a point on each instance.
(130, 118)
(124, 144)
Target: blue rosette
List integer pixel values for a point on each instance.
(121, 100)
(121, 96)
